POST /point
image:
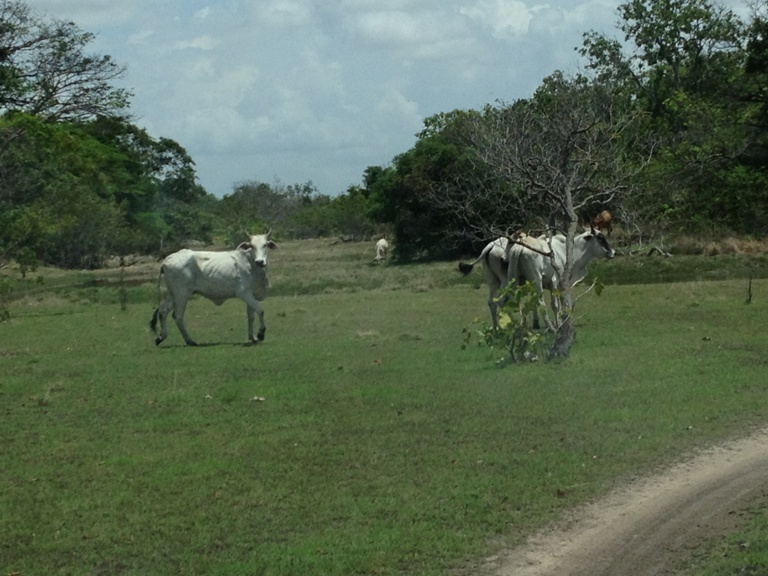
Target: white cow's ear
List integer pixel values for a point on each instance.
(244, 246)
(271, 245)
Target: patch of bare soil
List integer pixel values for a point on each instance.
(649, 526)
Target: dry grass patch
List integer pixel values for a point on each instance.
(716, 246)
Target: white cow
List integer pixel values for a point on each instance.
(540, 261)
(219, 276)
(381, 250)
(495, 264)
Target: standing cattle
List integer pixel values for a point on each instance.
(219, 276)
(381, 250)
(494, 259)
(540, 261)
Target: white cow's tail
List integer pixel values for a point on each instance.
(153, 322)
(466, 269)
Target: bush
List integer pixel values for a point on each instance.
(514, 335)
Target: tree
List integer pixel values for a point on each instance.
(687, 67)
(684, 46)
(77, 179)
(547, 160)
(55, 194)
(46, 71)
(155, 184)
(408, 196)
(254, 205)
(72, 194)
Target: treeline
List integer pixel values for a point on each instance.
(79, 182)
(666, 126)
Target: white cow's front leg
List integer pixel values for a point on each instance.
(547, 320)
(255, 308)
(541, 306)
(555, 304)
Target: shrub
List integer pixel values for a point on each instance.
(514, 335)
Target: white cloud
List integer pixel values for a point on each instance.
(201, 43)
(285, 13)
(319, 90)
(395, 106)
(85, 13)
(203, 13)
(600, 15)
(414, 34)
(390, 28)
(504, 17)
(141, 36)
(376, 5)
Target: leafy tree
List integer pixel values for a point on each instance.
(548, 160)
(257, 205)
(689, 71)
(155, 184)
(350, 213)
(514, 336)
(55, 197)
(294, 211)
(46, 71)
(72, 194)
(77, 180)
(412, 195)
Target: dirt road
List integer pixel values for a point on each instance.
(646, 528)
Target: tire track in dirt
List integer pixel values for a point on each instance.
(648, 526)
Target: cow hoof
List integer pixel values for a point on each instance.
(191, 343)
(158, 340)
(260, 335)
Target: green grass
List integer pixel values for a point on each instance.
(322, 266)
(744, 552)
(380, 447)
(680, 268)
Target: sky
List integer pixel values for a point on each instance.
(291, 91)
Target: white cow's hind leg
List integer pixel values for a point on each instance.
(494, 308)
(493, 292)
(162, 314)
(178, 316)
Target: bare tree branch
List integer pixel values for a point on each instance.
(540, 164)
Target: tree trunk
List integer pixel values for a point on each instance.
(566, 334)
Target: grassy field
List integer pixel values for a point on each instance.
(358, 438)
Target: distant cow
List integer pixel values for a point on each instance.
(603, 222)
(540, 261)
(219, 276)
(382, 246)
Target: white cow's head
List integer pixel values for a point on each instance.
(596, 244)
(258, 246)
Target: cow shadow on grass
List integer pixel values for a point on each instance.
(210, 345)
